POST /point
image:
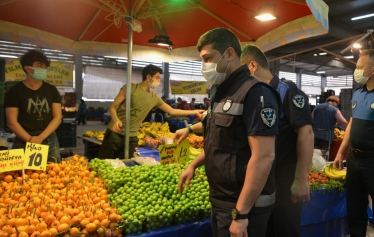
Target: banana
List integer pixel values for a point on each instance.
(194, 151)
(332, 173)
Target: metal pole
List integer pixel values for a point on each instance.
(128, 90)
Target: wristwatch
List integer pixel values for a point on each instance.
(237, 216)
(190, 129)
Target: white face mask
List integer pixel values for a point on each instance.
(209, 71)
(359, 76)
(154, 84)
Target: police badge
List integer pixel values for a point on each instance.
(299, 101)
(227, 105)
(268, 116)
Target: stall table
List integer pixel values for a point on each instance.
(91, 146)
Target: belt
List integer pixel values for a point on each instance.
(362, 153)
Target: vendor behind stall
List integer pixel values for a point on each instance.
(142, 101)
(325, 117)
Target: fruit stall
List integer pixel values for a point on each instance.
(81, 197)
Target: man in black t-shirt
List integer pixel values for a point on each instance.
(33, 107)
(294, 147)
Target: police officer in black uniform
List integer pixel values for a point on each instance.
(239, 135)
(294, 147)
(359, 137)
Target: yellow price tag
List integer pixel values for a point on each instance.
(173, 153)
(11, 160)
(36, 156)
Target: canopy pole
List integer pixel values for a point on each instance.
(128, 89)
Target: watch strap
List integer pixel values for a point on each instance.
(189, 128)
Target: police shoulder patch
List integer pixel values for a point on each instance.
(372, 105)
(354, 103)
(227, 105)
(268, 116)
(299, 101)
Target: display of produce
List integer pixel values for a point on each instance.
(196, 141)
(99, 135)
(66, 200)
(318, 180)
(332, 173)
(147, 197)
(339, 134)
(151, 134)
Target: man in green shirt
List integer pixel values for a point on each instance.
(142, 101)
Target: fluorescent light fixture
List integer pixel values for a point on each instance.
(362, 17)
(320, 72)
(7, 56)
(322, 53)
(356, 45)
(348, 57)
(266, 13)
(315, 54)
(161, 40)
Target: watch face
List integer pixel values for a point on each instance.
(233, 213)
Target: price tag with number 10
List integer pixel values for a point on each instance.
(36, 156)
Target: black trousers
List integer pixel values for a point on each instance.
(113, 146)
(286, 215)
(221, 220)
(82, 119)
(360, 184)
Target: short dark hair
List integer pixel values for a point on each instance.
(221, 39)
(193, 99)
(151, 70)
(251, 52)
(33, 56)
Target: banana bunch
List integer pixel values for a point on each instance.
(90, 133)
(339, 134)
(154, 130)
(195, 151)
(332, 173)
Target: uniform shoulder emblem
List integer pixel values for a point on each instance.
(354, 103)
(299, 101)
(227, 105)
(268, 116)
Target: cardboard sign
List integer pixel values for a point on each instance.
(11, 160)
(36, 156)
(173, 153)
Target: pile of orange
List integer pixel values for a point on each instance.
(66, 200)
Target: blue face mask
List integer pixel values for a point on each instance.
(39, 73)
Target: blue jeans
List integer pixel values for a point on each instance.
(52, 141)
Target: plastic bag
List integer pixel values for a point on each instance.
(318, 162)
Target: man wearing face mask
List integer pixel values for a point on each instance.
(239, 134)
(325, 116)
(33, 107)
(142, 101)
(359, 138)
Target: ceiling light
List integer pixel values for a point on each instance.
(348, 57)
(362, 17)
(320, 72)
(7, 56)
(266, 13)
(161, 40)
(315, 54)
(356, 45)
(322, 53)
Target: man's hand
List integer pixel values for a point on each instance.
(238, 228)
(199, 113)
(117, 126)
(181, 134)
(186, 177)
(338, 162)
(300, 191)
(36, 139)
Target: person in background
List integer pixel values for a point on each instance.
(142, 101)
(33, 107)
(359, 137)
(325, 116)
(294, 147)
(182, 104)
(82, 112)
(207, 103)
(239, 135)
(192, 104)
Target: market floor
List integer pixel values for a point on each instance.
(98, 125)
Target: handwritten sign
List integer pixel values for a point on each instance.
(11, 160)
(173, 153)
(36, 156)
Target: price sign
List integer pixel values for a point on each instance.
(173, 153)
(36, 156)
(11, 160)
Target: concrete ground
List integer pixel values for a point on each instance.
(98, 125)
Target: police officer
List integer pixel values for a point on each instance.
(359, 137)
(239, 135)
(294, 147)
